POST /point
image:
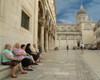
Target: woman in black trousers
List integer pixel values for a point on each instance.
(67, 48)
(28, 50)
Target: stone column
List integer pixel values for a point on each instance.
(53, 46)
(46, 43)
(52, 43)
(49, 43)
(42, 38)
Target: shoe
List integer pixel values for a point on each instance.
(13, 76)
(29, 69)
(35, 64)
(37, 61)
(23, 72)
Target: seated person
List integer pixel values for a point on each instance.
(8, 59)
(35, 49)
(27, 55)
(29, 51)
(18, 53)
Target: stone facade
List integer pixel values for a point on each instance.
(97, 35)
(41, 15)
(75, 34)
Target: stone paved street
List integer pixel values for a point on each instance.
(60, 65)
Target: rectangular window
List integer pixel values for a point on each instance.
(25, 20)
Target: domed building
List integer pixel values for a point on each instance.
(82, 15)
(75, 34)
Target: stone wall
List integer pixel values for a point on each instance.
(62, 44)
(87, 33)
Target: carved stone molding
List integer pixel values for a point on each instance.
(41, 20)
(46, 28)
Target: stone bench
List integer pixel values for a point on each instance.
(5, 71)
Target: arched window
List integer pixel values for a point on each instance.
(72, 28)
(62, 28)
(68, 29)
(75, 28)
(83, 19)
(79, 20)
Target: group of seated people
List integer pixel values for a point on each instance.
(21, 55)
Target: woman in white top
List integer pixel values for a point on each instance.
(35, 49)
(27, 55)
(82, 48)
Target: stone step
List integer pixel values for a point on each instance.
(5, 71)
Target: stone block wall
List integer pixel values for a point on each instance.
(62, 44)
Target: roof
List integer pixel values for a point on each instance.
(81, 11)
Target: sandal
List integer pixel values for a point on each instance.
(23, 72)
(35, 64)
(29, 69)
(13, 76)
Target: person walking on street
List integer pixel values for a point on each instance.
(82, 48)
(67, 48)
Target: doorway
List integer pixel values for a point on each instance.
(78, 43)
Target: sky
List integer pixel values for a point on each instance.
(66, 10)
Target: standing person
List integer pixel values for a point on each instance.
(67, 48)
(82, 48)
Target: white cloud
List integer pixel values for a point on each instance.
(65, 21)
(67, 10)
(93, 10)
(65, 4)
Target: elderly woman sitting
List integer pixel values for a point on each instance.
(8, 59)
(18, 53)
(29, 51)
(35, 49)
(27, 55)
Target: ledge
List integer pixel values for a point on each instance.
(3, 67)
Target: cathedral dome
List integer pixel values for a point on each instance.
(81, 11)
(81, 15)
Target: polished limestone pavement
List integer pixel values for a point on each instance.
(63, 65)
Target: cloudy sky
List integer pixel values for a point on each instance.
(67, 9)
